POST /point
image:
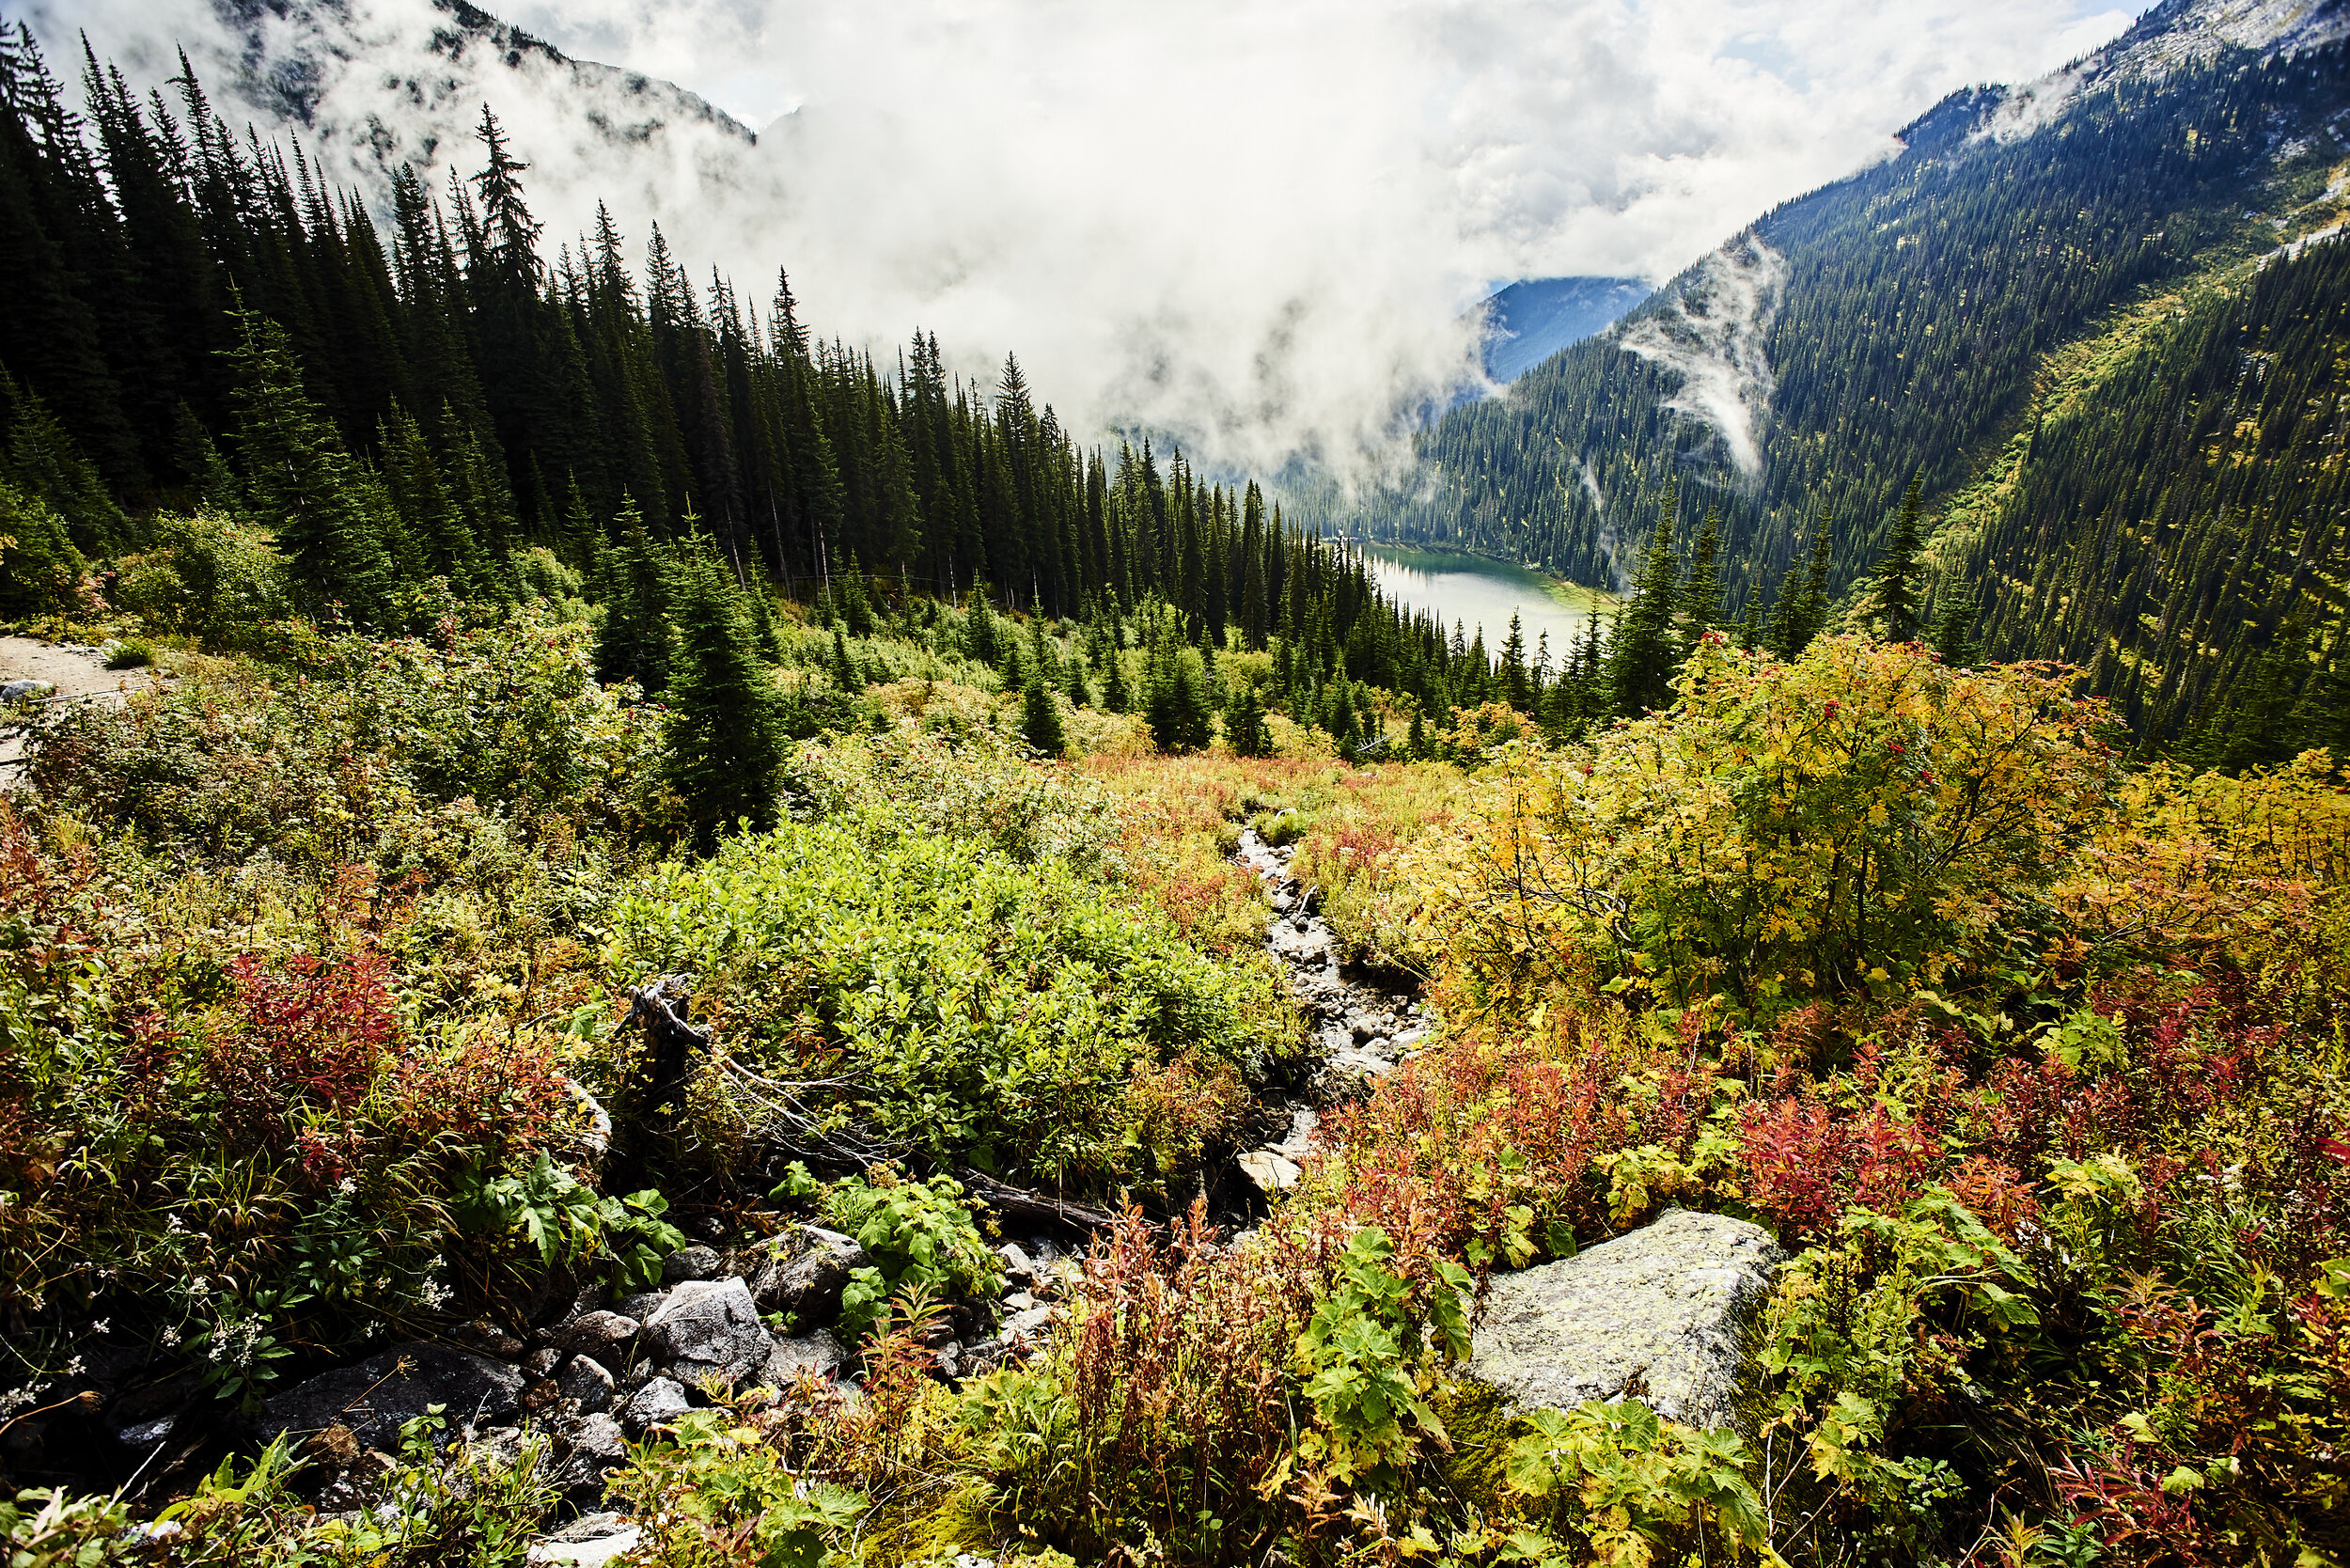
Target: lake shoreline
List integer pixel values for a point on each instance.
(1470, 587)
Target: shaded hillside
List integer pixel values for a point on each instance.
(2173, 517)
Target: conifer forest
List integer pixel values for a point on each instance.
(632, 933)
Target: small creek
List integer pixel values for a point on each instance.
(1360, 1032)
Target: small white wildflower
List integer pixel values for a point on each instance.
(170, 1335)
(435, 1296)
(100, 1326)
(347, 1186)
(74, 1368)
(15, 1399)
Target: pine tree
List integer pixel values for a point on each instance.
(303, 484)
(1245, 727)
(1802, 607)
(1040, 718)
(845, 673)
(1517, 689)
(723, 736)
(1177, 709)
(632, 644)
(1116, 695)
(1702, 589)
(1642, 653)
(1893, 589)
(1954, 640)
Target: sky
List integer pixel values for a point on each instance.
(1253, 226)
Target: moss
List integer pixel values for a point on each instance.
(956, 1522)
(1481, 1429)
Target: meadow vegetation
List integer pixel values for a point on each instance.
(2034, 1062)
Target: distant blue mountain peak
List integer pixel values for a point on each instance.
(1529, 320)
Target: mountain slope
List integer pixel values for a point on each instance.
(1898, 321)
(2175, 515)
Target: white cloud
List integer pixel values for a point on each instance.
(1254, 224)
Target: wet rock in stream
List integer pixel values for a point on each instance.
(1361, 1030)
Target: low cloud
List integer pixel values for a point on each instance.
(1714, 333)
(1254, 228)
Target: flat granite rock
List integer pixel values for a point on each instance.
(1666, 1315)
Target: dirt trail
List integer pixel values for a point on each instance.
(71, 673)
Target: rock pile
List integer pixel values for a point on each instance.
(596, 1373)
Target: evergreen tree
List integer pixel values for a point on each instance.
(1802, 607)
(1955, 639)
(1245, 727)
(1040, 718)
(1702, 589)
(1516, 687)
(845, 674)
(632, 644)
(303, 484)
(1894, 586)
(1177, 709)
(1116, 695)
(724, 736)
(1641, 655)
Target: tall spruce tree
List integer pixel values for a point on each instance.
(1893, 585)
(724, 737)
(1040, 718)
(1955, 639)
(1641, 652)
(632, 644)
(303, 485)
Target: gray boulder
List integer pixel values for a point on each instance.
(586, 1384)
(805, 1282)
(1666, 1315)
(691, 1262)
(591, 1448)
(605, 1336)
(373, 1397)
(709, 1329)
(657, 1403)
(817, 1353)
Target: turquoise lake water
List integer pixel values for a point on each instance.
(1480, 592)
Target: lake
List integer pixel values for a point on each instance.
(1475, 591)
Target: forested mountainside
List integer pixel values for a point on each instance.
(1897, 325)
(203, 324)
(2174, 518)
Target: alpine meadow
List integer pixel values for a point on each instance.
(634, 934)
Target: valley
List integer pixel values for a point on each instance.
(632, 934)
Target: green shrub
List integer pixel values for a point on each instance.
(326, 767)
(921, 1237)
(211, 574)
(40, 570)
(567, 1222)
(130, 653)
(985, 1011)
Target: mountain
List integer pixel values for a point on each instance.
(1914, 320)
(1531, 320)
(367, 87)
